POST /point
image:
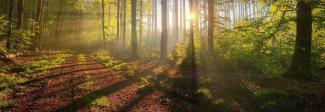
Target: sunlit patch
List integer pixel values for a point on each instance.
(102, 102)
(193, 16)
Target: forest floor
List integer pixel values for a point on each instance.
(98, 82)
(84, 84)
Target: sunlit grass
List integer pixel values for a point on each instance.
(46, 63)
(7, 81)
(3, 101)
(81, 58)
(114, 64)
(102, 101)
(86, 85)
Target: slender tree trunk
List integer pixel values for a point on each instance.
(141, 22)
(58, 21)
(20, 10)
(39, 25)
(210, 25)
(11, 14)
(164, 33)
(124, 24)
(103, 21)
(134, 39)
(176, 20)
(191, 56)
(184, 20)
(109, 14)
(118, 21)
(300, 66)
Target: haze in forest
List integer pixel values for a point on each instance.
(162, 55)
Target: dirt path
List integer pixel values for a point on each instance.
(86, 86)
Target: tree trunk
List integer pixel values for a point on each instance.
(39, 25)
(141, 22)
(210, 25)
(58, 21)
(184, 20)
(176, 20)
(20, 10)
(164, 33)
(118, 21)
(11, 14)
(300, 66)
(103, 21)
(191, 56)
(124, 24)
(134, 29)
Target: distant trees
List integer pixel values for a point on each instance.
(103, 21)
(210, 25)
(39, 24)
(118, 18)
(20, 9)
(11, 15)
(164, 31)
(134, 39)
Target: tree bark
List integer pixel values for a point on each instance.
(164, 33)
(141, 22)
(210, 25)
(134, 29)
(103, 21)
(300, 66)
(11, 14)
(176, 20)
(118, 21)
(20, 9)
(39, 25)
(124, 24)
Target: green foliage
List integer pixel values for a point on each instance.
(87, 84)
(4, 103)
(81, 58)
(7, 81)
(266, 45)
(3, 29)
(10, 80)
(102, 101)
(105, 59)
(270, 100)
(210, 102)
(46, 63)
(21, 40)
(3, 26)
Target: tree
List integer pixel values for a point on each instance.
(300, 66)
(20, 9)
(118, 20)
(124, 24)
(210, 25)
(141, 22)
(134, 29)
(103, 20)
(163, 48)
(184, 20)
(58, 20)
(39, 26)
(191, 54)
(11, 14)
(176, 19)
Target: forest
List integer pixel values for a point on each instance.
(162, 55)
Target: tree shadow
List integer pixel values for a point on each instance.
(88, 99)
(146, 91)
